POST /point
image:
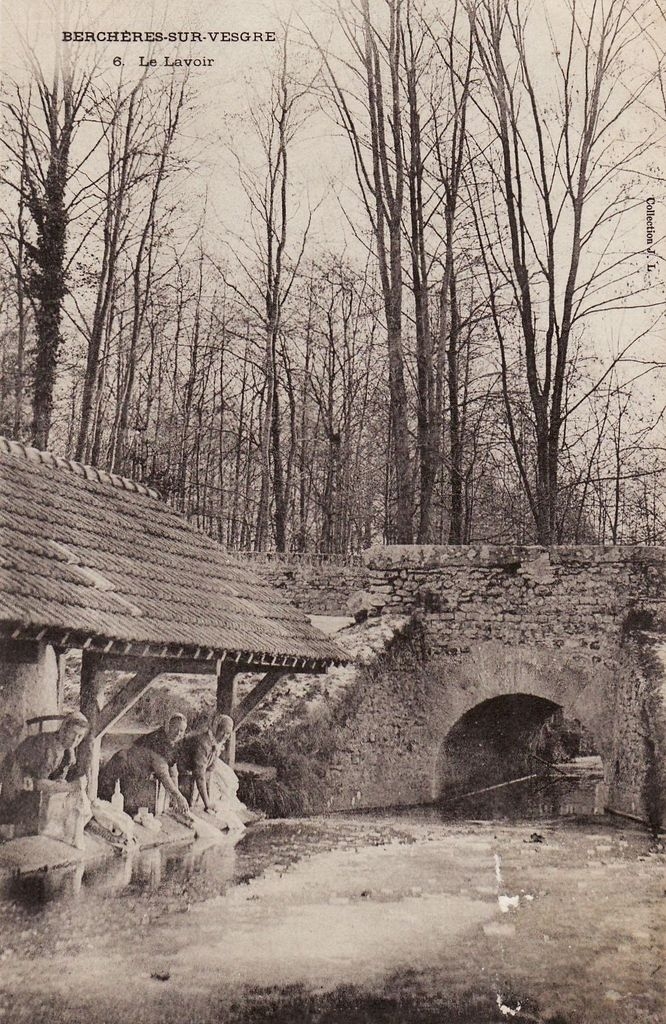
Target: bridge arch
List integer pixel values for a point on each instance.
(494, 694)
(581, 627)
(502, 738)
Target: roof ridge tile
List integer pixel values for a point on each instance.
(101, 476)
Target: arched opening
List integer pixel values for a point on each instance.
(528, 742)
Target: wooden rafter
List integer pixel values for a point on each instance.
(135, 663)
(185, 659)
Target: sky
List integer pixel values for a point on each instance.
(239, 75)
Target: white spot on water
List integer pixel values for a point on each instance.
(506, 903)
(508, 1011)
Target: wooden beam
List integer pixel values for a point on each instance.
(91, 688)
(136, 663)
(122, 655)
(227, 674)
(61, 662)
(102, 718)
(250, 701)
(126, 697)
(89, 702)
(20, 652)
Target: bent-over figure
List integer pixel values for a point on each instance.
(197, 758)
(165, 741)
(45, 757)
(134, 768)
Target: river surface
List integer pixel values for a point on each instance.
(407, 917)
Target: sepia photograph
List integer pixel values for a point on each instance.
(332, 512)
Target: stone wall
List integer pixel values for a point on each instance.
(319, 584)
(575, 597)
(565, 625)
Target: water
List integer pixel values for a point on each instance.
(426, 908)
(173, 878)
(550, 796)
(78, 899)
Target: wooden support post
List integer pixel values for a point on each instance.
(61, 660)
(226, 687)
(226, 701)
(89, 703)
(91, 687)
(103, 718)
(250, 701)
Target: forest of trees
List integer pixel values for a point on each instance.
(458, 340)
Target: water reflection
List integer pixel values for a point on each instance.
(36, 890)
(551, 796)
(165, 869)
(171, 878)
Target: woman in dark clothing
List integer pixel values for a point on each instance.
(135, 769)
(197, 756)
(165, 741)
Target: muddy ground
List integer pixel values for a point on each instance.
(355, 919)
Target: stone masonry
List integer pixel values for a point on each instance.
(582, 628)
(319, 584)
(571, 597)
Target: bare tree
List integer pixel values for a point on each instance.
(270, 271)
(127, 134)
(42, 125)
(374, 129)
(142, 262)
(551, 176)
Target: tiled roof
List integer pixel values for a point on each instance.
(90, 552)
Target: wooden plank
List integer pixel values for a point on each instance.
(498, 785)
(629, 817)
(125, 698)
(250, 701)
(136, 663)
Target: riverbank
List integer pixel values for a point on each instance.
(356, 920)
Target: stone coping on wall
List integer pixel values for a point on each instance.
(428, 556)
(297, 558)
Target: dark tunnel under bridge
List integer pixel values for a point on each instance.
(505, 738)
